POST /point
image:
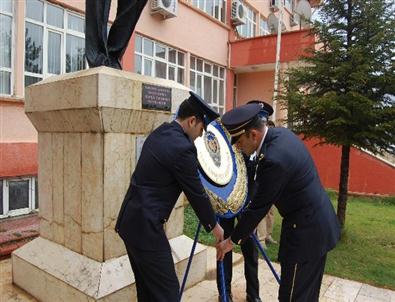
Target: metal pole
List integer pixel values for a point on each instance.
(184, 281)
(278, 50)
(222, 280)
(265, 257)
(219, 263)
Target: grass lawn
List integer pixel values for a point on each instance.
(366, 252)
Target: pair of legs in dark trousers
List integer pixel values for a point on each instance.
(250, 254)
(301, 282)
(99, 49)
(156, 279)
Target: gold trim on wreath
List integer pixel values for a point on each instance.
(239, 192)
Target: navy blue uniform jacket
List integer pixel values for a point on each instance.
(286, 177)
(167, 165)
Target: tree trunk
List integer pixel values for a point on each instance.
(343, 185)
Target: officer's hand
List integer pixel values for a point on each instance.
(218, 233)
(223, 248)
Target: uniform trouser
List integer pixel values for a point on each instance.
(265, 227)
(98, 48)
(156, 279)
(250, 254)
(301, 282)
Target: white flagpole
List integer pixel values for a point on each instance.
(277, 67)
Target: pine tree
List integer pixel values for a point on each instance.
(343, 92)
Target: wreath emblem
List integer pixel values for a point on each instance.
(213, 148)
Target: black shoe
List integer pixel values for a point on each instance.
(228, 298)
(253, 299)
(100, 60)
(114, 63)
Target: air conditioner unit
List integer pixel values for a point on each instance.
(238, 13)
(294, 20)
(167, 8)
(274, 5)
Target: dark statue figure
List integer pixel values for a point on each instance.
(108, 51)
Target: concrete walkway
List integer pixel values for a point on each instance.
(333, 289)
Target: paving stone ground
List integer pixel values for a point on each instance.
(333, 289)
(14, 232)
(14, 228)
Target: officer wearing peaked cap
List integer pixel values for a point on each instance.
(266, 109)
(167, 166)
(248, 247)
(265, 227)
(287, 178)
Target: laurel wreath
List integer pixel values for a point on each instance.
(239, 191)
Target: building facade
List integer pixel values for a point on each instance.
(222, 49)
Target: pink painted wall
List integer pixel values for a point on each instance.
(259, 86)
(261, 6)
(229, 90)
(14, 124)
(367, 175)
(18, 159)
(262, 50)
(255, 85)
(191, 31)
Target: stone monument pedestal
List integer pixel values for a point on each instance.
(89, 124)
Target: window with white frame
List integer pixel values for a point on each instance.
(156, 59)
(208, 81)
(286, 3)
(18, 196)
(263, 27)
(54, 41)
(215, 8)
(6, 38)
(248, 30)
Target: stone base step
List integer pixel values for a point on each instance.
(51, 272)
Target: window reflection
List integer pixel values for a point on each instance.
(33, 48)
(18, 194)
(54, 42)
(208, 80)
(75, 53)
(35, 10)
(158, 59)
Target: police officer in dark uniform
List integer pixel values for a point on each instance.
(108, 51)
(248, 247)
(249, 251)
(286, 177)
(167, 165)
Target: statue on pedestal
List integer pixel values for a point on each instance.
(101, 49)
